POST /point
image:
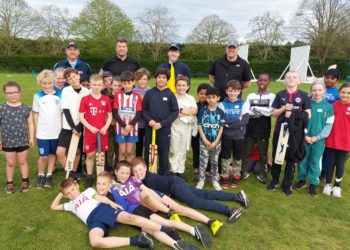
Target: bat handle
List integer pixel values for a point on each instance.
(98, 142)
(153, 136)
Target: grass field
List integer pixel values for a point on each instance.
(273, 222)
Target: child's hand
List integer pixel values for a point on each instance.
(151, 123)
(94, 130)
(103, 131)
(31, 143)
(157, 126)
(128, 128)
(313, 139)
(207, 143)
(75, 132)
(307, 139)
(124, 133)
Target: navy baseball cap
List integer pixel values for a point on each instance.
(232, 43)
(107, 74)
(72, 44)
(175, 46)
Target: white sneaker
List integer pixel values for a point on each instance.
(327, 190)
(216, 186)
(336, 192)
(200, 184)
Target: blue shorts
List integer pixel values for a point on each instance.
(47, 147)
(119, 138)
(104, 217)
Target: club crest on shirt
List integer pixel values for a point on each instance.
(298, 99)
(103, 103)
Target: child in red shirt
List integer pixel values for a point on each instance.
(95, 113)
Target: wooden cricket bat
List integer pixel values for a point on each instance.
(153, 154)
(282, 144)
(72, 152)
(100, 156)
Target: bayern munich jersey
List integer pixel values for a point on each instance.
(95, 110)
(127, 106)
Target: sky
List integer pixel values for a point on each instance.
(189, 13)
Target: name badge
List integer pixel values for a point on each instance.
(319, 110)
(165, 98)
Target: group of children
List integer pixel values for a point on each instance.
(222, 135)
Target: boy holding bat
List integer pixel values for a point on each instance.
(288, 101)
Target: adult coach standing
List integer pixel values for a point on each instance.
(230, 67)
(122, 61)
(175, 67)
(72, 61)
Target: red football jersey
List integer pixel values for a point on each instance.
(95, 110)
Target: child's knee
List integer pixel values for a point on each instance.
(11, 163)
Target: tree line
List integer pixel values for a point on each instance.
(324, 24)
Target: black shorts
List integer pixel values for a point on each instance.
(143, 212)
(16, 149)
(65, 137)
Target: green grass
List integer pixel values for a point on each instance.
(273, 222)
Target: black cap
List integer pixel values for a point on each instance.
(174, 46)
(84, 77)
(72, 44)
(107, 74)
(333, 72)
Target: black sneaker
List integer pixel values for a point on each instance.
(234, 214)
(312, 190)
(287, 191)
(144, 241)
(183, 245)
(299, 185)
(202, 235)
(40, 181)
(172, 233)
(272, 186)
(89, 181)
(48, 181)
(244, 175)
(242, 199)
(261, 178)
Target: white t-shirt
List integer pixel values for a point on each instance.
(83, 205)
(71, 100)
(49, 109)
(186, 102)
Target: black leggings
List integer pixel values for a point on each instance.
(336, 159)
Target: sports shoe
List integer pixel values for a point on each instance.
(183, 245)
(25, 185)
(235, 181)
(10, 188)
(242, 199)
(336, 192)
(216, 227)
(200, 184)
(312, 190)
(234, 214)
(48, 181)
(261, 178)
(272, 186)
(202, 235)
(216, 186)
(245, 175)
(299, 185)
(89, 181)
(172, 233)
(40, 181)
(144, 241)
(224, 182)
(327, 190)
(287, 191)
(172, 215)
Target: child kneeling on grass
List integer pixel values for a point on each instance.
(99, 213)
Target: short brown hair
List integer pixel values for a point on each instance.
(233, 84)
(66, 183)
(127, 76)
(11, 84)
(69, 71)
(121, 40)
(122, 163)
(142, 72)
(183, 78)
(162, 71)
(106, 175)
(116, 78)
(137, 160)
(344, 85)
(96, 78)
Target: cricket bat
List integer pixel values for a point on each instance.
(72, 152)
(153, 154)
(282, 144)
(100, 156)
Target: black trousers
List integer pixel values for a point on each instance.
(195, 153)
(163, 142)
(336, 160)
(139, 144)
(262, 145)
